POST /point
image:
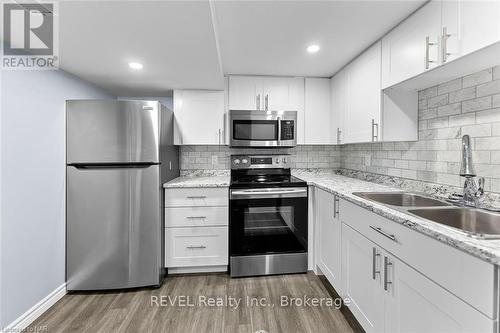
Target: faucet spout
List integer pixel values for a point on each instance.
(467, 168)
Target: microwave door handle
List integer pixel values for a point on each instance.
(279, 131)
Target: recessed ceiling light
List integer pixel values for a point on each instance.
(313, 48)
(135, 65)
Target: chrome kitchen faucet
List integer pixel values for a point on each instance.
(473, 185)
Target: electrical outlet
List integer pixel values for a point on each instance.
(368, 160)
(215, 159)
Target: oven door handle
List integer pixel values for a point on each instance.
(292, 192)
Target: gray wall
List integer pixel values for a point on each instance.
(200, 157)
(32, 229)
(466, 105)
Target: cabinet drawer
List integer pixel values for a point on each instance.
(196, 216)
(187, 197)
(470, 278)
(196, 246)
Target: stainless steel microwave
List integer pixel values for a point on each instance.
(254, 128)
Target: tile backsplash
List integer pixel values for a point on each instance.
(467, 105)
(217, 157)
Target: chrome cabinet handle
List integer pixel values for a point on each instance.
(375, 254)
(219, 136)
(338, 135)
(257, 100)
(196, 247)
(266, 102)
(444, 45)
(387, 263)
(382, 232)
(428, 44)
(374, 125)
(335, 206)
(196, 217)
(196, 197)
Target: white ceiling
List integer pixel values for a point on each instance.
(174, 40)
(177, 40)
(271, 37)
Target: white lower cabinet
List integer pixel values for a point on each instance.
(329, 236)
(362, 279)
(399, 280)
(414, 303)
(387, 295)
(196, 229)
(196, 246)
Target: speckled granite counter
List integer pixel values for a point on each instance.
(488, 250)
(203, 178)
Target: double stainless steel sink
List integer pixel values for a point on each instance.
(474, 222)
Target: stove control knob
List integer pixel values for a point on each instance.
(236, 161)
(285, 160)
(244, 161)
(277, 160)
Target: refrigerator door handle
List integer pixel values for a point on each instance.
(141, 165)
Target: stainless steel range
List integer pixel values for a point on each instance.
(268, 217)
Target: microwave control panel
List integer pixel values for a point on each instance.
(287, 129)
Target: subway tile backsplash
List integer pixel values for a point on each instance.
(217, 157)
(466, 105)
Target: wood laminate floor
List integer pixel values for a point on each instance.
(137, 311)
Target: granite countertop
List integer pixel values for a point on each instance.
(488, 250)
(343, 186)
(200, 179)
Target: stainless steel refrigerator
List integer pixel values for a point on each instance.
(119, 154)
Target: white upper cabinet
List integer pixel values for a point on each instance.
(413, 46)
(318, 124)
(439, 32)
(276, 93)
(199, 117)
(468, 26)
(362, 118)
(262, 93)
(245, 93)
(338, 111)
(356, 99)
(268, 93)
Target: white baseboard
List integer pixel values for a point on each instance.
(199, 269)
(37, 310)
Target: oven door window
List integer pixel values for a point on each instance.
(255, 130)
(260, 226)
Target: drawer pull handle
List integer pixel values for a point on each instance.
(196, 217)
(382, 232)
(196, 247)
(197, 197)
